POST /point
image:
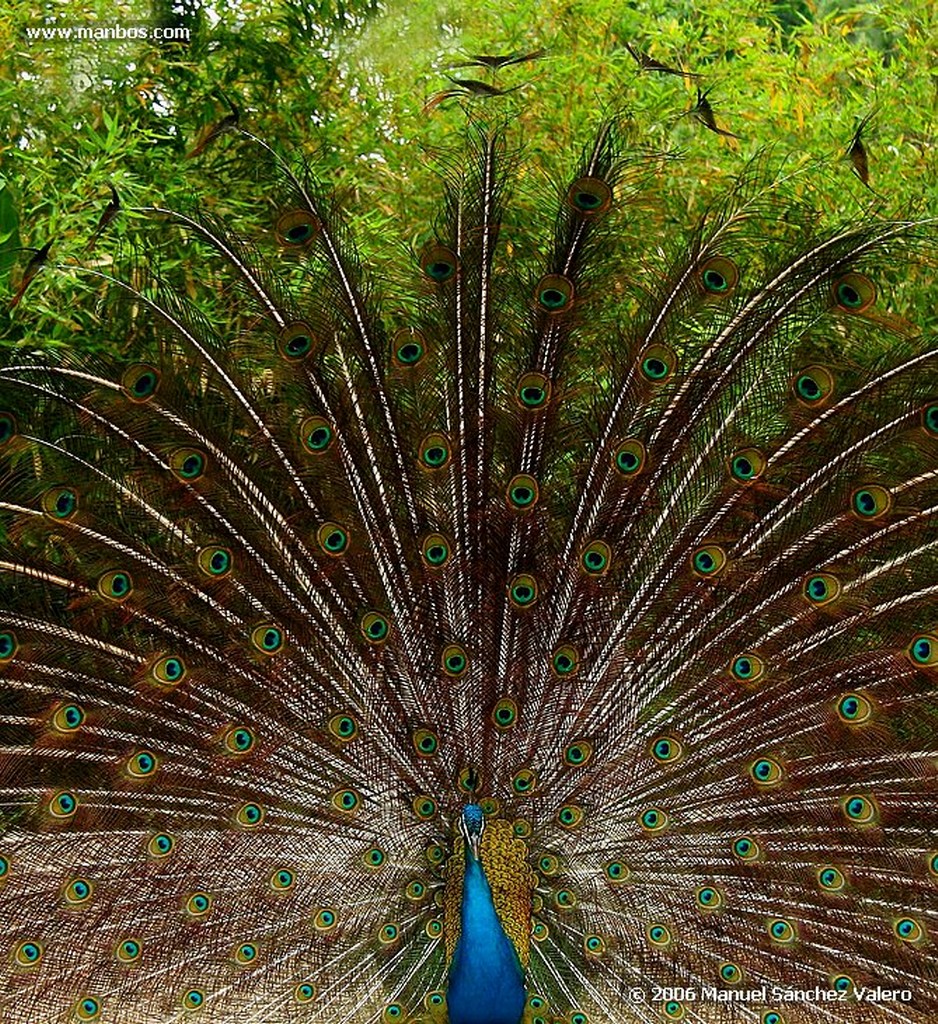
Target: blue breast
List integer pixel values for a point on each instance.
(486, 980)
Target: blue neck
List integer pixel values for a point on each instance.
(486, 980)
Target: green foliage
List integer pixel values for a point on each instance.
(345, 85)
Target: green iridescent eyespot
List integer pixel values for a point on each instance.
(297, 228)
(115, 585)
(554, 293)
(870, 502)
(747, 668)
(408, 347)
(343, 726)
(193, 998)
(78, 891)
(657, 363)
(375, 627)
(595, 558)
(238, 739)
(766, 771)
(589, 196)
(616, 871)
(333, 539)
(854, 709)
(415, 891)
(522, 492)
(188, 464)
(923, 650)
(424, 807)
(853, 293)
(426, 742)
(245, 953)
(142, 764)
(666, 749)
(214, 561)
(168, 670)
(60, 503)
(439, 263)
(435, 550)
(594, 945)
(295, 342)
(161, 845)
(908, 930)
(282, 879)
(709, 898)
(325, 919)
(524, 781)
(709, 560)
(658, 935)
(831, 878)
(129, 951)
(747, 465)
(199, 904)
(929, 420)
(523, 591)
(88, 1008)
(140, 382)
(842, 983)
(565, 662)
(813, 385)
(249, 815)
(267, 638)
(68, 717)
(718, 276)
(570, 816)
(454, 661)
(578, 753)
(63, 804)
(781, 931)
(565, 899)
(859, 809)
(347, 801)
(821, 589)
(731, 973)
(629, 457)
(435, 452)
(532, 391)
(8, 645)
(745, 848)
(504, 714)
(27, 954)
(548, 865)
(317, 434)
(653, 820)
(304, 992)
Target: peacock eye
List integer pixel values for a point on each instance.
(657, 363)
(140, 382)
(589, 196)
(316, 434)
(554, 293)
(718, 276)
(439, 263)
(297, 228)
(408, 347)
(295, 342)
(565, 661)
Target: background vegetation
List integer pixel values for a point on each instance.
(345, 83)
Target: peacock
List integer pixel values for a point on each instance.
(552, 638)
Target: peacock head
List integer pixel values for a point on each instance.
(472, 824)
